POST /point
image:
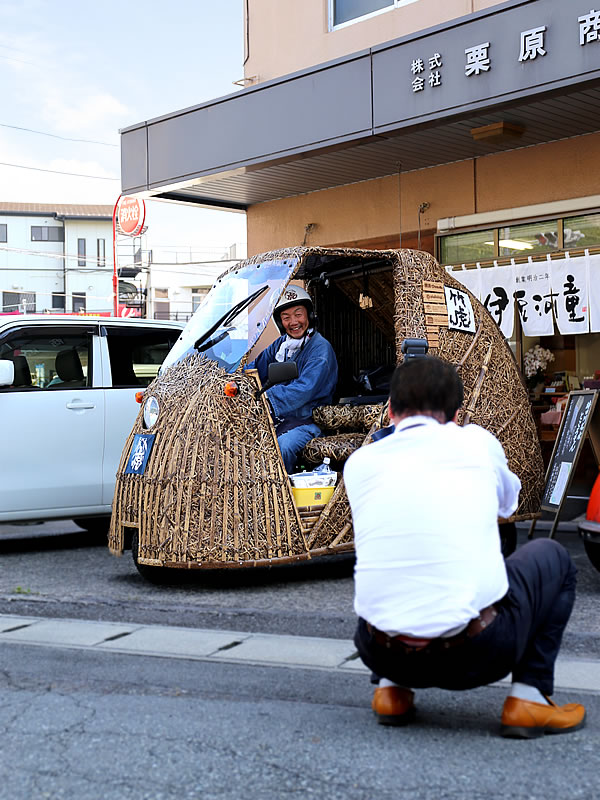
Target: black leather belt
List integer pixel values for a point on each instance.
(414, 644)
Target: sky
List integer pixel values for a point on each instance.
(77, 71)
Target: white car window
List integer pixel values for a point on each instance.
(137, 353)
(49, 359)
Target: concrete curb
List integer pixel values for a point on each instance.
(295, 652)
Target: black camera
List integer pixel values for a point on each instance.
(414, 348)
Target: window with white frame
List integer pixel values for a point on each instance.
(47, 233)
(81, 260)
(101, 252)
(78, 301)
(346, 12)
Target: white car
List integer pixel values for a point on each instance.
(67, 405)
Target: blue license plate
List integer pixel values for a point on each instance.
(140, 452)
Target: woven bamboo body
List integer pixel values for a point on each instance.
(215, 492)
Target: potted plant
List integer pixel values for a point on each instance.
(535, 361)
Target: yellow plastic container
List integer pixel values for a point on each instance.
(318, 496)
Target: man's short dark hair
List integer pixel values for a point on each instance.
(426, 384)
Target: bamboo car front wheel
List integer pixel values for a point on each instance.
(156, 575)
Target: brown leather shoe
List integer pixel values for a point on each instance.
(393, 705)
(524, 719)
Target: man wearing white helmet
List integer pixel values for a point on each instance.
(293, 402)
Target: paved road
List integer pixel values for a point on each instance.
(108, 726)
(90, 722)
(56, 570)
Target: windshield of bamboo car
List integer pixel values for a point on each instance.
(233, 314)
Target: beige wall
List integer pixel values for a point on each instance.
(367, 210)
(286, 36)
(554, 171)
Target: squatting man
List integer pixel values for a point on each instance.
(292, 403)
(437, 605)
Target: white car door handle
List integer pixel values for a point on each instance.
(79, 406)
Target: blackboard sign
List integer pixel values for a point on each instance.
(572, 432)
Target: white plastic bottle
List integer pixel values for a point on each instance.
(324, 468)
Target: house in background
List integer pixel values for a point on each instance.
(177, 280)
(59, 259)
(55, 258)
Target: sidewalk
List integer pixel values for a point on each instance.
(228, 646)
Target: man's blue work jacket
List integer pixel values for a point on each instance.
(315, 384)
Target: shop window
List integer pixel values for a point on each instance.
(536, 237)
(47, 233)
(81, 260)
(465, 248)
(344, 12)
(581, 231)
(519, 241)
(3, 232)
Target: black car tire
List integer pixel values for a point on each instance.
(592, 548)
(156, 575)
(98, 526)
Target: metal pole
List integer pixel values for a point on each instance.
(115, 280)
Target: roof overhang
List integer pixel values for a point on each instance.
(359, 117)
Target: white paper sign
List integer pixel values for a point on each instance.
(460, 310)
(593, 264)
(570, 294)
(533, 297)
(497, 288)
(561, 482)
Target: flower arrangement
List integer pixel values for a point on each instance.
(535, 361)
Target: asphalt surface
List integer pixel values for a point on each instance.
(57, 570)
(98, 726)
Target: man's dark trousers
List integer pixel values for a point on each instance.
(524, 638)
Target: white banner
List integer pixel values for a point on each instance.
(533, 297)
(594, 291)
(470, 279)
(497, 288)
(569, 278)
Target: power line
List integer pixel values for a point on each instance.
(46, 254)
(20, 61)
(55, 135)
(58, 172)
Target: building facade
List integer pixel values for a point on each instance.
(466, 128)
(55, 258)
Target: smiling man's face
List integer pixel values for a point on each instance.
(295, 321)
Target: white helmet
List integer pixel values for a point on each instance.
(293, 296)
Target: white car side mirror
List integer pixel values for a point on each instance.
(7, 373)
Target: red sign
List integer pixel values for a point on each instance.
(125, 311)
(131, 215)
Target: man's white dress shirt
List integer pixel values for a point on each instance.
(425, 505)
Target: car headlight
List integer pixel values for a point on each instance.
(151, 410)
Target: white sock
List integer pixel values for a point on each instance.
(525, 692)
(384, 682)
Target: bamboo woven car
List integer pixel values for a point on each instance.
(207, 486)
